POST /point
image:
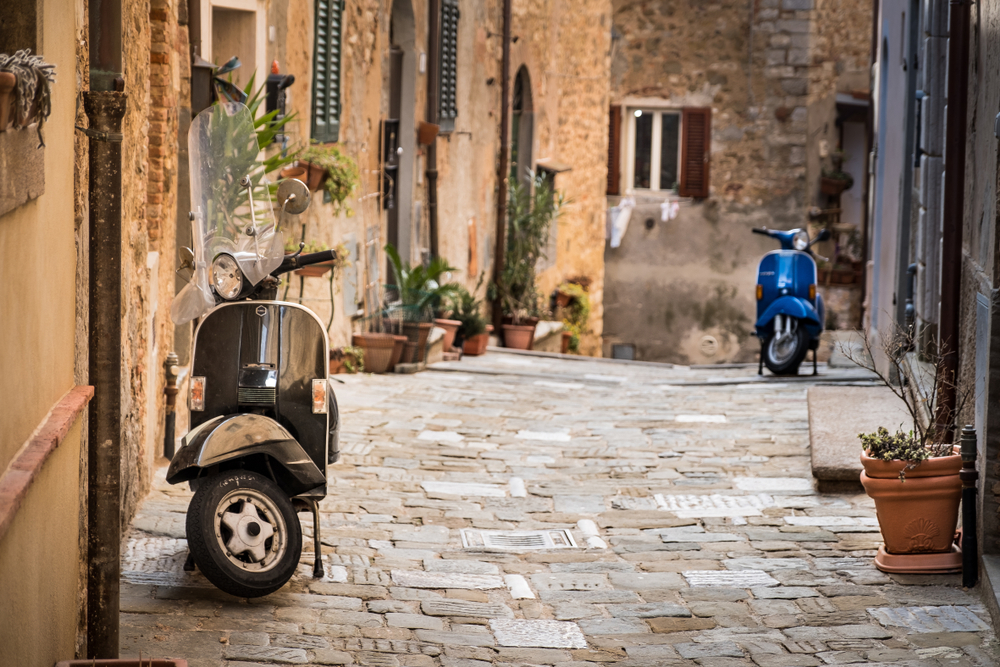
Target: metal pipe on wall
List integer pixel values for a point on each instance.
(105, 110)
(498, 252)
(433, 55)
(910, 145)
(954, 211)
(869, 145)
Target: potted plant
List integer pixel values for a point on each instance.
(472, 336)
(348, 359)
(913, 476)
(330, 169)
(835, 180)
(530, 213)
(418, 293)
(576, 314)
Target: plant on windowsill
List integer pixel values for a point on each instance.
(25, 90)
(912, 475)
(329, 169)
(576, 314)
(531, 211)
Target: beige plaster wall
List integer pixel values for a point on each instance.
(39, 558)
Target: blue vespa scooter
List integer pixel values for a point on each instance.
(790, 313)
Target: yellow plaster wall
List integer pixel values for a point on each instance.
(38, 262)
(38, 565)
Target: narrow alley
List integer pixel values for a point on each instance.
(674, 522)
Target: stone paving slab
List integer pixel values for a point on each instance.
(691, 531)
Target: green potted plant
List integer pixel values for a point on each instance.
(576, 313)
(472, 336)
(912, 475)
(333, 171)
(419, 293)
(348, 359)
(530, 213)
(835, 180)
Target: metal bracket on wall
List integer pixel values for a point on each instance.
(111, 137)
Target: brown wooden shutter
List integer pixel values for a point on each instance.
(696, 141)
(614, 148)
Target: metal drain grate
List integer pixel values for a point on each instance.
(517, 540)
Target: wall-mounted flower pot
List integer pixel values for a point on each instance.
(450, 329)
(294, 172)
(833, 186)
(378, 350)
(476, 345)
(918, 515)
(315, 175)
(7, 83)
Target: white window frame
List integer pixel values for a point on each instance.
(656, 141)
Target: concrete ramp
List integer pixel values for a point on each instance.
(836, 416)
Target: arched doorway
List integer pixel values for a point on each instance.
(522, 128)
(399, 140)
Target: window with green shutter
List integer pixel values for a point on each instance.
(447, 106)
(326, 71)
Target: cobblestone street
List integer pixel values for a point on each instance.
(673, 521)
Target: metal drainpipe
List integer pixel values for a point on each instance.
(906, 203)
(869, 144)
(105, 110)
(169, 420)
(498, 252)
(433, 39)
(954, 211)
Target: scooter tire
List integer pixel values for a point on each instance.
(206, 539)
(791, 365)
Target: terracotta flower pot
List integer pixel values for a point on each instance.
(7, 83)
(917, 515)
(518, 336)
(564, 343)
(563, 299)
(378, 350)
(294, 172)
(450, 329)
(476, 345)
(399, 344)
(833, 186)
(410, 355)
(417, 332)
(315, 175)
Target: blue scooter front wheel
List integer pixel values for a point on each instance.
(783, 354)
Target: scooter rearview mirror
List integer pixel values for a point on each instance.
(293, 195)
(824, 235)
(186, 255)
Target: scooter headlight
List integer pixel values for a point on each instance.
(801, 240)
(226, 277)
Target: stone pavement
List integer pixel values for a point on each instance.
(521, 510)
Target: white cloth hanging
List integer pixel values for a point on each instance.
(619, 220)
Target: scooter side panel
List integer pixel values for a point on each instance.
(303, 358)
(217, 359)
(238, 436)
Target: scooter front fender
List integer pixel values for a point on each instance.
(230, 437)
(792, 306)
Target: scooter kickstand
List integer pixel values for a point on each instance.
(189, 565)
(318, 571)
(815, 368)
(760, 360)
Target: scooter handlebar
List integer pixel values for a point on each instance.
(761, 230)
(292, 262)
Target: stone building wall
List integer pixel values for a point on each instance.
(683, 290)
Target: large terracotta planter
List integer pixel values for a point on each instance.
(450, 329)
(518, 336)
(476, 345)
(378, 350)
(417, 332)
(399, 344)
(917, 515)
(7, 83)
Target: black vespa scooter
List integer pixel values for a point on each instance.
(264, 419)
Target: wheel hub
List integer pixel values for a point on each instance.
(250, 530)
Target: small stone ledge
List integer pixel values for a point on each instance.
(22, 164)
(836, 416)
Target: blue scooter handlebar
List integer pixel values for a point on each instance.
(761, 230)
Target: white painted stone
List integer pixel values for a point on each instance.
(518, 587)
(550, 436)
(699, 419)
(714, 505)
(441, 436)
(594, 542)
(537, 634)
(773, 484)
(336, 574)
(920, 620)
(729, 579)
(587, 527)
(420, 579)
(559, 385)
(517, 488)
(830, 521)
(464, 489)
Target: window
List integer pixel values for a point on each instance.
(326, 71)
(665, 149)
(447, 105)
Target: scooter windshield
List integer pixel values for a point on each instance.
(230, 205)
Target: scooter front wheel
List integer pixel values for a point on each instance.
(783, 355)
(243, 533)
